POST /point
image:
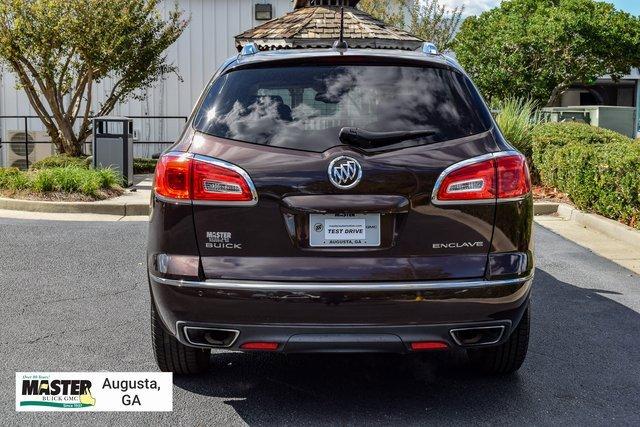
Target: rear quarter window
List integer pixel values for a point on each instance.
(304, 107)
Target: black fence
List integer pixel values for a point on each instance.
(21, 148)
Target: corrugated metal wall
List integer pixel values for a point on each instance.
(204, 45)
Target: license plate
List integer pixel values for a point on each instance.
(344, 230)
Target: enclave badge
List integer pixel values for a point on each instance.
(344, 172)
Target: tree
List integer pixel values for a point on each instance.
(428, 19)
(58, 49)
(435, 22)
(391, 12)
(539, 48)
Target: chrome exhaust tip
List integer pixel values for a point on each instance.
(210, 337)
(484, 335)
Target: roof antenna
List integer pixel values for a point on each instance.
(341, 45)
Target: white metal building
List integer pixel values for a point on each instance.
(205, 44)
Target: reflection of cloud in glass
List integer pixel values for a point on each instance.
(258, 121)
(338, 85)
(373, 98)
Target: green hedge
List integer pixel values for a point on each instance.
(60, 161)
(68, 179)
(142, 165)
(564, 133)
(598, 169)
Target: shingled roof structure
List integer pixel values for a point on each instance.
(316, 23)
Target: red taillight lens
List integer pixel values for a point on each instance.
(212, 182)
(501, 177)
(513, 176)
(263, 346)
(173, 176)
(473, 182)
(428, 345)
(183, 176)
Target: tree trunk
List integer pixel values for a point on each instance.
(55, 139)
(74, 149)
(555, 94)
(62, 145)
(69, 143)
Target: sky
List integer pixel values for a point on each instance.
(474, 7)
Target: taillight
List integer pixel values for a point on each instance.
(501, 176)
(473, 182)
(214, 181)
(198, 179)
(173, 176)
(513, 176)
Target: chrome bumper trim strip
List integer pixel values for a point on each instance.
(235, 285)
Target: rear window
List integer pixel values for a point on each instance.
(305, 107)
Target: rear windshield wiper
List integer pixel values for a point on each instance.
(366, 139)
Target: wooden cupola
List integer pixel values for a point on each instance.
(316, 24)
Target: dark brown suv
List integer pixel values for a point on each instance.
(325, 201)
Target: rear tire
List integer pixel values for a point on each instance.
(173, 356)
(507, 357)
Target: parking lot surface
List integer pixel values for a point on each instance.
(75, 298)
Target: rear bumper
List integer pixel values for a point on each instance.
(319, 317)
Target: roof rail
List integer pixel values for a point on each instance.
(429, 48)
(249, 49)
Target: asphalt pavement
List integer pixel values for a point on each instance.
(75, 298)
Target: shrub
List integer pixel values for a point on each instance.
(13, 178)
(59, 161)
(68, 179)
(108, 178)
(141, 165)
(517, 118)
(566, 132)
(599, 169)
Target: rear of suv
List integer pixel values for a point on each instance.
(324, 201)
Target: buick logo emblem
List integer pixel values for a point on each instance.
(344, 172)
